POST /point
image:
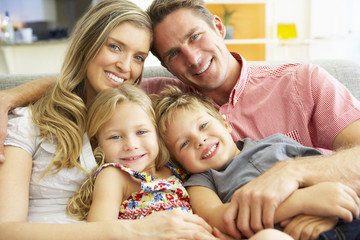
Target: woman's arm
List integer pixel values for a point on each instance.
(14, 187)
(19, 96)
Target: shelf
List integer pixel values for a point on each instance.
(235, 1)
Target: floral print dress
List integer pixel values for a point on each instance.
(155, 194)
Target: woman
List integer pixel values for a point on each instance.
(48, 152)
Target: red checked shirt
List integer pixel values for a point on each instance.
(302, 101)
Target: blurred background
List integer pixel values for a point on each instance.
(34, 33)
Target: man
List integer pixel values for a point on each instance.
(298, 100)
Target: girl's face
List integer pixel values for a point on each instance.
(120, 59)
(199, 141)
(129, 138)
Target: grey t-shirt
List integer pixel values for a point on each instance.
(256, 157)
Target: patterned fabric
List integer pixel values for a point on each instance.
(155, 194)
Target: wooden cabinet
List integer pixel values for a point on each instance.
(249, 23)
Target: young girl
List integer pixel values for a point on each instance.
(136, 178)
(204, 147)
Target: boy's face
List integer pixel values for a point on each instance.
(199, 141)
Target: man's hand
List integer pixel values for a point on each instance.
(253, 206)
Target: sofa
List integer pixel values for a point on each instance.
(347, 72)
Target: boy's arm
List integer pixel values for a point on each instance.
(20, 96)
(206, 203)
(327, 199)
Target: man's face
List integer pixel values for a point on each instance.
(193, 51)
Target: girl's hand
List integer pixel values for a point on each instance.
(309, 227)
(329, 199)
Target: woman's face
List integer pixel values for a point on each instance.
(120, 59)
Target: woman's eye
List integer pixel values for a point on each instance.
(114, 47)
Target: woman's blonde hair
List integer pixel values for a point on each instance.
(100, 111)
(61, 114)
(173, 99)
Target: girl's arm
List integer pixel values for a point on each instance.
(20, 96)
(110, 187)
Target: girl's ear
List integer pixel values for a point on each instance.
(219, 26)
(227, 125)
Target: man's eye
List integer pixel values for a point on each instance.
(140, 58)
(173, 54)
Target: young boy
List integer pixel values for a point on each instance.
(200, 141)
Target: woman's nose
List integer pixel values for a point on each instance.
(124, 63)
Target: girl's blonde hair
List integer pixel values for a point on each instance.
(171, 100)
(61, 114)
(100, 111)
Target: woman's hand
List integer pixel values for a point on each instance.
(174, 224)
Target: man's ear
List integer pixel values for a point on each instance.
(219, 26)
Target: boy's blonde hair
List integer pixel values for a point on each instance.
(100, 111)
(171, 100)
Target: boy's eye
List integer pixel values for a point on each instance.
(202, 126)
(195, 36)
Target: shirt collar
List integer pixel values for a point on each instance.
(242, 80)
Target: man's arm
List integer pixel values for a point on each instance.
(264, 194)
(20, 96)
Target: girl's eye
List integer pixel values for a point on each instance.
(184, 144)
(202, 126)
(115, 137)
(141, 132)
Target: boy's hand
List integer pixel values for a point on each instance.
(329, 199)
